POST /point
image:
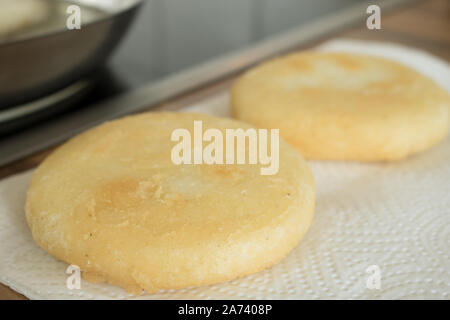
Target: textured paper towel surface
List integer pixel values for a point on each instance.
(395, 216)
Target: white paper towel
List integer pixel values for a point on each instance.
(393, 216)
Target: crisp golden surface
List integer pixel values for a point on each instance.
(340, 106)
(111, 201)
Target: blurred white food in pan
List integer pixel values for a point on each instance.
(17, 15)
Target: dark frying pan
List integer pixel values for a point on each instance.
(34, 66)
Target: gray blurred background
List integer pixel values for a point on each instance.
(170, 35)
